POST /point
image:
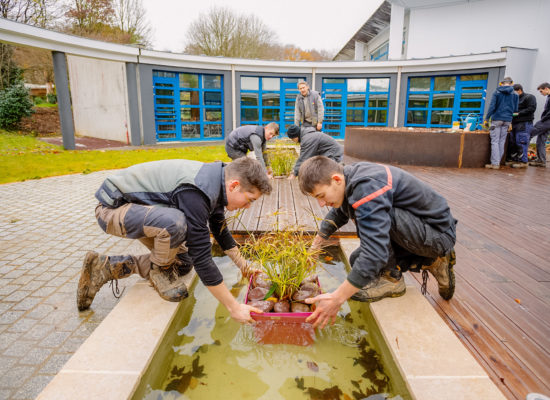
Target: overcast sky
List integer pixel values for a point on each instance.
(308, 24)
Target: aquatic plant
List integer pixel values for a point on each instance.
(281, 159)
(285, 256)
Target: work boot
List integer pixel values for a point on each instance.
(520, 165)
(96, 271)
(386, 286)
(168, 282)
(492, 166)
(537, 163)
(442, 271)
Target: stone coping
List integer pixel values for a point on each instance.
(111, 362)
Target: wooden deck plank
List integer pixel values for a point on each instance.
(287, 216)
(268, 218)
(304, 216)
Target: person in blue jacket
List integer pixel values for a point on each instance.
(504, 104)
(402, 224)
(172, 206)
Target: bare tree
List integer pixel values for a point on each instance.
(34, 12)
(221, 32)
(87, 17)
(130, 18)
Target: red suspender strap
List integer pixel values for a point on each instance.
(379, 192)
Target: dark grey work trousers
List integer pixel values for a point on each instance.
(413, 242)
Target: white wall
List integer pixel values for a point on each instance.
(485, 26)
(99, 97)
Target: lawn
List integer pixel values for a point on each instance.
(25, 157)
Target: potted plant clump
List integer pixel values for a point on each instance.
(287, 279)
(281, 160)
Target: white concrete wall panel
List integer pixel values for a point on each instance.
(486, 26)
(99, 98)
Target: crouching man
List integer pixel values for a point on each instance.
(402, 224)
(313, 143)
(171, 207)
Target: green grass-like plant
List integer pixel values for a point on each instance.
(281, 160)
(285, 256)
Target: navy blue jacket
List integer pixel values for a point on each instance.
(372, 190)
(504, 104)
(526, 108)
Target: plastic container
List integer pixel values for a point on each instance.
(282, 328)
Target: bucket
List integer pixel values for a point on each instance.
(282, 328)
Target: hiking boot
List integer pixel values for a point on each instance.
(442, 271)
(492, 166)
(168, 282)
(96, 271)
(537, 163)
(520, 165)
(509, 163)
(386, 286)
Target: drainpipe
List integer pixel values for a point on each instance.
(313, 71)
(397, 97)
(63, 99)
(234, 96)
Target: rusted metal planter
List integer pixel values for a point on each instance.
(419, 147)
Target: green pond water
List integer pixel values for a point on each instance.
(213, 357)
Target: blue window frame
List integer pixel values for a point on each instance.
(437, 101)
(188, 106)
(381, 53)
(268, 99)
(355, 102)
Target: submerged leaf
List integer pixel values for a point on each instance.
(313, 366)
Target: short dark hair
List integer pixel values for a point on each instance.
(544, 85)
(317, 170)
(517, 87)
(250, 174)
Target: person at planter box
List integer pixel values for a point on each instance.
(251, 137)
(313, 143)
(402, 224)
(542, 128)
(522, 123)
(171, 206)
(504, 104)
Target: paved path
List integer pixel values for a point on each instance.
(46, 227)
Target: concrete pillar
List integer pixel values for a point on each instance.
(359, 51)
(133, 104)
(63, 99)
(396, 32)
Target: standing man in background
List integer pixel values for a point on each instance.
(504, 104)
(309, 109)
(522, 124)
(542, 128)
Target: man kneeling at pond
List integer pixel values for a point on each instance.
(253, 138)
(402, 224)
(171, 207)
(313, 143)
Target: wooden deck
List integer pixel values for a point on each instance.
(501, 308)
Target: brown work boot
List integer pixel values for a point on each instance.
(386, 286)
(442, 271)
(168, 282)
(96, 271)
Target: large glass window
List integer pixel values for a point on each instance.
(268, 99)
(188, 106)
(354, 102)
(437, 101)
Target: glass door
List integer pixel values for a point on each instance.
(334, 99)
(471, 100)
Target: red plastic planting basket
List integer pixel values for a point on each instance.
(282, 328)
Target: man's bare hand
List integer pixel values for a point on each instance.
(241, 314)
(327, 307)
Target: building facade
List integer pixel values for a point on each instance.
(146, 97)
